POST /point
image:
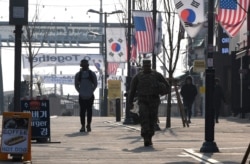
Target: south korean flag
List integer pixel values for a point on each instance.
(116, 45)
(191, 14)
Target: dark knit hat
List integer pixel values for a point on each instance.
(146, 62)
(84, 61)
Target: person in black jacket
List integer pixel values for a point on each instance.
(188, 93)
(218, 98)
(85, 84)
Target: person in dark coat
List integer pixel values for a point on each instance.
(148, 86)
(218, 98)
(188, 93)
(85, 84)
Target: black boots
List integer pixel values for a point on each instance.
(148, 141)
(88, 128)
(82, 129)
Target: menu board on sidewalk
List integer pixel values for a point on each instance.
(40, 122)
(15, 132)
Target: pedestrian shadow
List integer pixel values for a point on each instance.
(140, 149)
(77, 134)
(95, 149)
(134, 138)
(237, 120)
(168, 130)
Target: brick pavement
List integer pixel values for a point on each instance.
(112, 142)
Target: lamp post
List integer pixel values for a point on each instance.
(105, 92)
(209, 145)
(91, 33)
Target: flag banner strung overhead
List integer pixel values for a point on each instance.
(65, 79)
(59, 59)
(231, 15)
(112, 68)
(116, 45)
(158, 34)
(191, 13)
(144, 31)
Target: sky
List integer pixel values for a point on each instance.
(52, 11)
(55, 11)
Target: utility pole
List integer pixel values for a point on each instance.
(101, 90)
(1, 85)
(209, 145)
(154, 21)
(128, 119)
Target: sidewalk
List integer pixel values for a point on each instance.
(112, 142)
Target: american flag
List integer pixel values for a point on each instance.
(231, 15)
(112, 68)
(144, 34)
(133, 49)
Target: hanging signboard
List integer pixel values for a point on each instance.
(114, 87)
(199, 66)
(40, 123)
(15, 133)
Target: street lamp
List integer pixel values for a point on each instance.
(209, 146)
(105, 110)
(92, 33)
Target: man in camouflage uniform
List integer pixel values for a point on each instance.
(147, 85)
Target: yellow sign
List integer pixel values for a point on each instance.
(114, 89)
(199, 66)
(202, 89)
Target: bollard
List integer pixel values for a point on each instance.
(118, 109)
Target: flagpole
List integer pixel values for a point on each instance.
(101, 99)
(128, 119)
(105, 103)
(209, 145)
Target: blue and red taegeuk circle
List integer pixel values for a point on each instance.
(188, 15)
(115, 47)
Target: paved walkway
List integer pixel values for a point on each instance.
(111, 142)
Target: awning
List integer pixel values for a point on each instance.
(198, 42)
(242, 53)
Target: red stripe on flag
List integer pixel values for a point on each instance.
(232, 19)
(133, 49)
(112, 68)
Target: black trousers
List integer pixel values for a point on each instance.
(86, 106)
(188, 109)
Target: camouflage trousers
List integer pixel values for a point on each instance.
(148, 111)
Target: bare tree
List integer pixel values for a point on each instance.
(173, 41)
(174, 34)
(32, 45)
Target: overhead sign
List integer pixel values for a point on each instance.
(70, 79)
(47, 32)
(45, 60)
